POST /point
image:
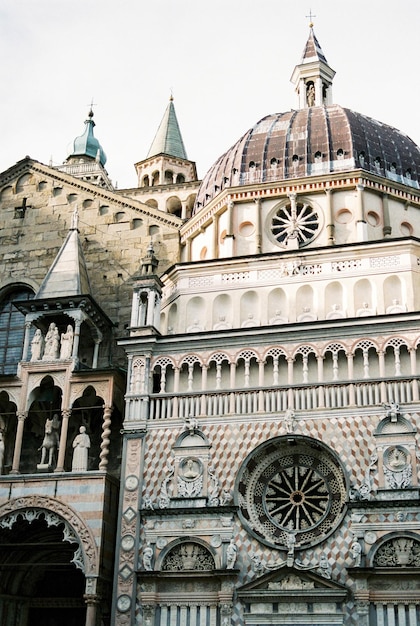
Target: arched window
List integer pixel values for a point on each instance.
(12, 328)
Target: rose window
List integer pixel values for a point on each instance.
(291, 485)
(295, 222)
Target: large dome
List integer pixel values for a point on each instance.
(309, 142)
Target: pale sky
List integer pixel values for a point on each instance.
(228, 63)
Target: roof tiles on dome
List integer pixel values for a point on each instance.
(313, 141)
(87, 144)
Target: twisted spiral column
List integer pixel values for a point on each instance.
(106, 431)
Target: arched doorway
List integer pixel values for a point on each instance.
(39, 580)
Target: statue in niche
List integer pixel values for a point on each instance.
(147, 557)
(250, 321)
(335, 313)
(222, 324)
(52, 343)
(365, 311)
(231, 554)
(37, 345)
(51, 440)
(67, 343)
(395, 307)
(195, 327)
(81, 445)
(310, 95)
(277, 319)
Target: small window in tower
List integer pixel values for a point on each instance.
(252, 165)
(318, 156)
(274, 162)
(393, 168)
(378, 163)
(408, 174)
(295, 158)
(362, 159)
(340, 153)
(180, 178)
(226, 180)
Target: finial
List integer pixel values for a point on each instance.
(171, 96)
(310, 16)
(91, 105)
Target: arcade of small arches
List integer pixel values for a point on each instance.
(168, 177)
(308, 363)
(306, 377)
(173, 204)
(45, 436)
(329, 301)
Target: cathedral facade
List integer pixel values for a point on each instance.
(209, 390)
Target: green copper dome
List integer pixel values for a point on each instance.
(87, 144)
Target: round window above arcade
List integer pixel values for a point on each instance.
(291, 485)
(295, 225)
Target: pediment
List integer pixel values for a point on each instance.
(286, 582)
(36, 176)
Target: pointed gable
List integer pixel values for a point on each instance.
(168, 139)
(67, 275)
(287, 581)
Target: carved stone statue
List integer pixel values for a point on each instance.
(2, 449)
(67, 343)
(52, 343)
(324, 567)
(356, 552)
(289, 421)
(81, 445)
(310, 95)
(51, 440)
(37, 345)
(147, 558)
(231, 554)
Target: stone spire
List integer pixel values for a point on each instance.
(168, 139)
(313, 76)
(67, 275)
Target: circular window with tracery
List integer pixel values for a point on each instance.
(295, 224)
(291, 485)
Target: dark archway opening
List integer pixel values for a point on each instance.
(39, 584)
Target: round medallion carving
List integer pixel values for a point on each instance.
(291, 485)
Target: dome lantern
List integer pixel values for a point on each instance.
(313, 76)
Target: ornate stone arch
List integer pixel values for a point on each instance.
(188, 553)
(396, 550)
(55, 513)
(218, 358)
